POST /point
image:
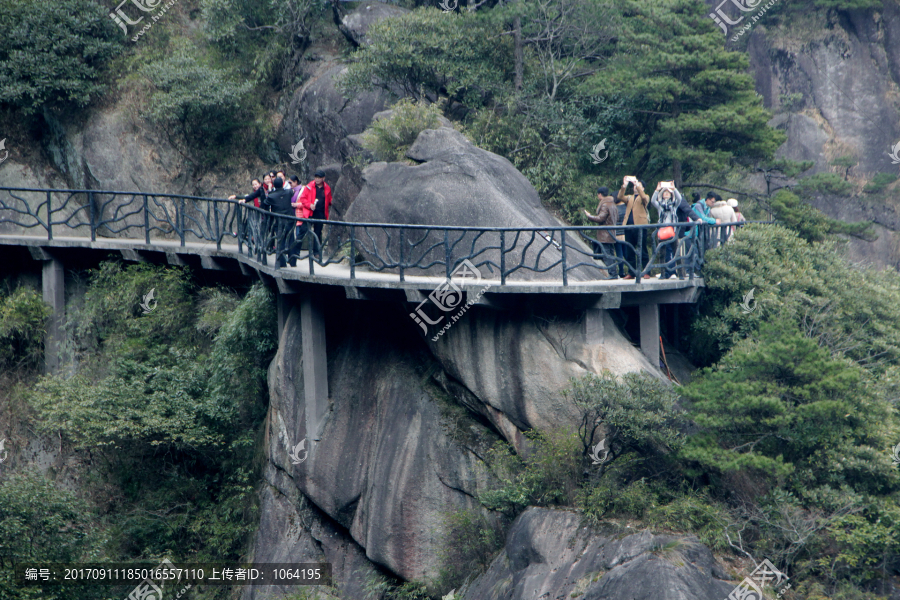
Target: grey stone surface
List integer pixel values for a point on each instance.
(846, 65)
(319, 114)
(355, 24)
(458, 184)
(291, 530)
(550, 554)
(389, 465)
(517, 364)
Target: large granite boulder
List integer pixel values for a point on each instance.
(390, 464)
(517, 364)
(320, 116)
(550, 554)
(456, 184)
(292, 530)
(356, 23)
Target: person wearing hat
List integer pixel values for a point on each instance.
(314, 203)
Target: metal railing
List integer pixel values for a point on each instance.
(552, 255)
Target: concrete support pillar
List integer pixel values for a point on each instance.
(315, 364)
(592, 327)
(649, 315)
(54, 288)
(283, 307)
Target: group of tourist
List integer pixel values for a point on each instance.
(286, 196)
(624, 251)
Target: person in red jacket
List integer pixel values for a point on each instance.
(314, 203)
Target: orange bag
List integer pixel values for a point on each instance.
(666, 233)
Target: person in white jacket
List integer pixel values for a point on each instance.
(725, 214)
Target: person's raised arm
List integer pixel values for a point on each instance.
(654, 201)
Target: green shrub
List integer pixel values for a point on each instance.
(638, 413)
(389, 139)
(549, 475)
(204, 104)
(783, 411)
(808, 283)
(54, 52)
(180, 393)
(23, 317)
(693, 513)
(812, 224)
(428, 52)
(879, 182)
(40, 522)
(869, 543)
(829, 184)
(265, 39)
(609, 498)
(468, 547)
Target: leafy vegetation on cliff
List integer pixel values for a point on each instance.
(166, 406)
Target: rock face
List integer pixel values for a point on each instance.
(549, 554)
(390, 464)
(516, 363)
(319, 115)
(459, 184)
(354, 25)
(844, 66)
(405, 431)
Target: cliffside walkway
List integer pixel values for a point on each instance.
(505, 266)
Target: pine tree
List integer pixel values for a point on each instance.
(693, 101)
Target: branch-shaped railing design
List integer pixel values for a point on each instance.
(552, 255)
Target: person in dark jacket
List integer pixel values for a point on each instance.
(279, 202)
(607, 214)
(252, 233)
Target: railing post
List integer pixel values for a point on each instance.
(180, 221)
(402, 243)
(447, 252)
(639, 257)
(240, 226)
(502, 257)
(146, 221)
(562, 233)
(49, 218)
(91, 209)
(352, 252)
(310, 235)
(215, 208)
